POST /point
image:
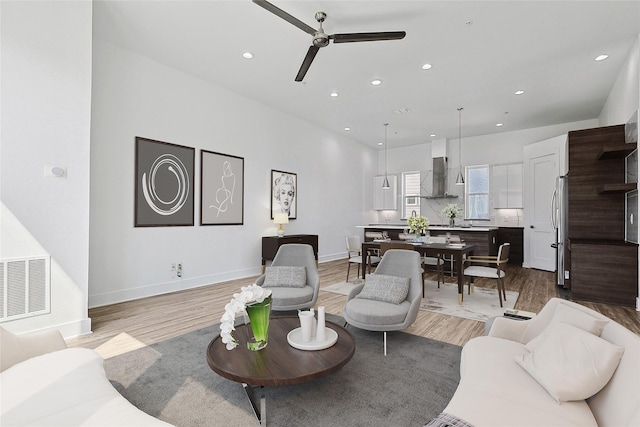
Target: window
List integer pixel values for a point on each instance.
(477, 196)
(410, 194)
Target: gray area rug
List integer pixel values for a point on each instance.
(412, 384)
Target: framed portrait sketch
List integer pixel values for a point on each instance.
(164, 184)
(222, 189)
(284, 193)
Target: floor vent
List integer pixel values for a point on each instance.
(25, 287)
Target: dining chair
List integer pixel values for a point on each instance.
(493, 267)
(373, 307)
(354, 246)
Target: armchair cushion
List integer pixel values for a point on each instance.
(377, 313)
(380, 287)
(570, 363)
(285, 276)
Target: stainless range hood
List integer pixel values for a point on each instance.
(440, 171)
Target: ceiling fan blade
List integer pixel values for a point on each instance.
(311, 53)
(284, 15)
(367, 37)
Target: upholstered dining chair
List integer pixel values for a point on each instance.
(390, 298)
(493, 267)
(292, 277)
(354, 253)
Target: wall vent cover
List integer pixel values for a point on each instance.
(25, 287)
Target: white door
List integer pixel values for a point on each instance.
(543, 163)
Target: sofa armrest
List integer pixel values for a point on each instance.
(509, 329)
(17, 348)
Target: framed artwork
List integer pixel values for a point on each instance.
(222, 189)
(164, 184)
(284, 193)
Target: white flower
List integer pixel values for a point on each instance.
(452, 211)
(418, 224)
(248, 295)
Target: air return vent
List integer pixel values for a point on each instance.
(25, 287)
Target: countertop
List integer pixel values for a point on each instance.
(431, 227)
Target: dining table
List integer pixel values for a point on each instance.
(456, 250)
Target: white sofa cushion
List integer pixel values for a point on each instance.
(570, 363)
(494, 391)
(65, 388)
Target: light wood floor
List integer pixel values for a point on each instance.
(157, 318)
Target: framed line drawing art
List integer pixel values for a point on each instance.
(221, 189)
(164, 184)
(284, 193)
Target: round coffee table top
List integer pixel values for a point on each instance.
(279, 363)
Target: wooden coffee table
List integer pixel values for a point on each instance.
(278, 363)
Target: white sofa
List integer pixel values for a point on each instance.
(44, 383)
(495, 390)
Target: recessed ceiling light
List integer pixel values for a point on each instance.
(519, 92)
(427, 66)
(433, 135)
(334, 94)
(601, 57)
(247, 55)
(376, 82)
(380, 143)
(499, 124)
(347, 129)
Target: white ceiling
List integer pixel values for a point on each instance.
(546, 48)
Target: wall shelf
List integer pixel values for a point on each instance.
(616, 151)
(617, 188)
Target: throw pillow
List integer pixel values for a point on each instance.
(570, 363)
(379, 287)
(572, 316)
(285, 276)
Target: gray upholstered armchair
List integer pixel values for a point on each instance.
(291, 288)
(378, 304)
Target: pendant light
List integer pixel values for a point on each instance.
(385, 183)
(460, 178)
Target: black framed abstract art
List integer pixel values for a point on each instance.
(164, 184)
(222, 189)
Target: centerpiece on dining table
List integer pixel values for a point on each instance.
(418, 225)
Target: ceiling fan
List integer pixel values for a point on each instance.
(321, 39)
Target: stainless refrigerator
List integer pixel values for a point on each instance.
(559, 203)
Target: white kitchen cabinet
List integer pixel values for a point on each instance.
(385, 200)
(506, 186)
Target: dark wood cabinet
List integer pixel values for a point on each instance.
(270, 244)
(603, 267)
(604, 272)
(514, 236)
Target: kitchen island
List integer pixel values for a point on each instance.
(484, 238)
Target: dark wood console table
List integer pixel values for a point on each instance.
(271, 244)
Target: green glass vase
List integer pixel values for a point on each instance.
(258, 314)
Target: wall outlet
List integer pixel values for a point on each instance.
(179, 271)
(566, 275)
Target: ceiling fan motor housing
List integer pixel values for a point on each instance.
(320, 39)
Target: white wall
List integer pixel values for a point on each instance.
(624, 97)
(46, 101)
(499, 148)
(136, 96)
